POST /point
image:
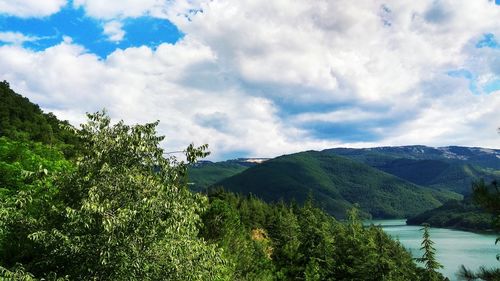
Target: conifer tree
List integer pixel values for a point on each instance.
(429, 256)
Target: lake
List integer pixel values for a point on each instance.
(453, 247)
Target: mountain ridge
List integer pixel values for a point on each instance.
(336, 182)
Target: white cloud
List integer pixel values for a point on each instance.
(343, 52)
(114, 31)
(458, 120)
(142, 85)
(339, 48)
(31, 8)
(227, 81)
(16, 38)
(135, 8)
(118, 9)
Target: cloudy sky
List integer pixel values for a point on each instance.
(259, 78)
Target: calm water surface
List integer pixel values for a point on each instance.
(453, 247)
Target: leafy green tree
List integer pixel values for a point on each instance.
(124, 213)
(28, 171)
(488, 196)
(312, 272)
(429, 257)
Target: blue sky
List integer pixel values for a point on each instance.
(89, 32)
(261, 79)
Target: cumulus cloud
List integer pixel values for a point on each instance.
(385, 54)
(30, 8)
(114, 31)
(254, 77)
(143, 85)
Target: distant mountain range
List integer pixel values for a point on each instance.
(385, 181)
(451, 168)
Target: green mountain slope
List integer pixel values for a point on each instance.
(22, 120)
(450, 168)
(450, 175)
(454, 214)
(336, 183)
(206, 174)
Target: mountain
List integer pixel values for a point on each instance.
(485, 157)
(455, 214)
(452, 168)
(21, 119)
(206, 173)
(336, 183)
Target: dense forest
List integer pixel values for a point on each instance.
(287, 242)
(450, 168)
(22, 120)
(464, 214)
(337, 183)
(205, 174)
(102, 202)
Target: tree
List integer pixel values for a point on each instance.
(488, 197)
(124, 213)
(428, 258)
(28, 171)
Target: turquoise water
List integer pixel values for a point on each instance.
(453, 247)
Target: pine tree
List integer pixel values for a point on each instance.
(429, 256)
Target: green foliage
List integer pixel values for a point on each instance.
(312, 272)
(486, 274)
(429, 256)
(222, 224)
(123, 213)
(203, 175)
(337, 183)
(22, 120)
(301, 243)
(465, 215)
(21, 162)
(28, 172)
(488, 196)
(451, 168)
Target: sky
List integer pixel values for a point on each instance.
(260, 78)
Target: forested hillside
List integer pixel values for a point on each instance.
(202, 175)
(287, 242)
(336, 183)
(455, 214)
(451, 168)
(22, 120)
